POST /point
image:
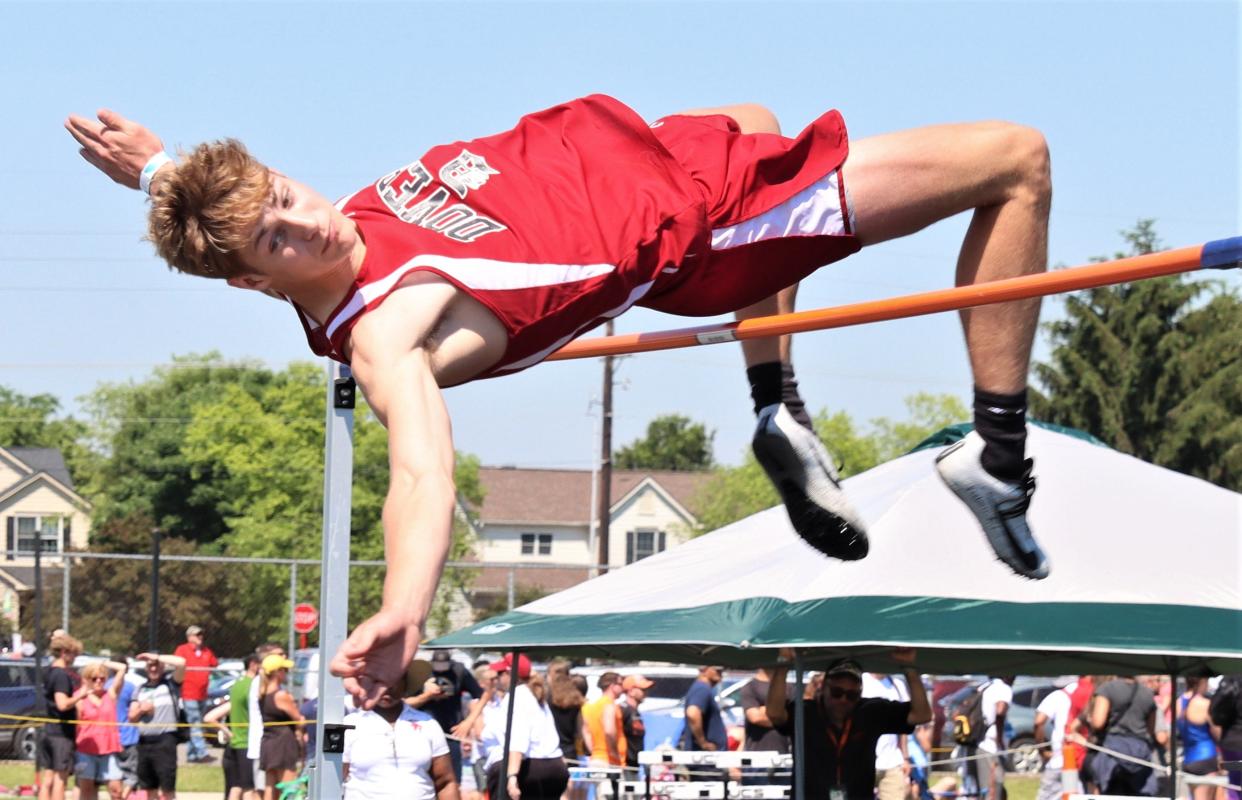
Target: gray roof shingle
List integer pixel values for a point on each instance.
(44, 459)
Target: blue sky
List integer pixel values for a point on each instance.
(1139, 102)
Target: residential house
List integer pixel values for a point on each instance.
(38, 503)
(535, 525)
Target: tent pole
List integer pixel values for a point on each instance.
(799, 733)
(504, 760)
(1173, 698)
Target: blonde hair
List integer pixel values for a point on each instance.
(204, 211)
(95, 669)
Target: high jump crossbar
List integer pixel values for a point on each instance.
(1218, 254)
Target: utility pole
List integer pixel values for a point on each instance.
(603, 494)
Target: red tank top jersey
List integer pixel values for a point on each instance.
(578, 213)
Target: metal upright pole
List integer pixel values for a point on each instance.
(799, 732)
(514, 680)
(326, 777)
(1173, 698)
(293, 601)
(153, 627)
(38, 620)
(64, 590)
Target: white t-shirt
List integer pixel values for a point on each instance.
(392, 761)
(1056, 706)
(887, 747)
(256, 721)
(534, 729)
(997, 691)
(491, 742)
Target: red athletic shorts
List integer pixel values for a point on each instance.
(777, 208)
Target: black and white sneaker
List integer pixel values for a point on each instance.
(803, 473)
(999, 506)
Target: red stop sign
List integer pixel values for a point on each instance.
(305, 618)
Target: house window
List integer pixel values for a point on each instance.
(642, 543)
(537, 543)
(29, 529)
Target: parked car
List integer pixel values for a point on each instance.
(304, 679)
(221, 681)
(1028, 693)
(18, 696)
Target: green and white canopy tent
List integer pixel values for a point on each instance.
(1146, 578)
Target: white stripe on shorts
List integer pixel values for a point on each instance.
(816, 210)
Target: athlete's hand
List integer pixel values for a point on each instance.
(374, 657)
(117, 147)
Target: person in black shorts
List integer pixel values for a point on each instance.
(62, 689)
(155, 705)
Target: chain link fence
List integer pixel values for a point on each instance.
(124, 604)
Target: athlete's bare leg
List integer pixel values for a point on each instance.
(785, 443)
(902, 182)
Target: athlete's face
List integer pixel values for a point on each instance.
(300, 234)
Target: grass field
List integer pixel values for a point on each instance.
(190, 778)
(210, 778)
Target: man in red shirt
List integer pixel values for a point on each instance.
(199, 661)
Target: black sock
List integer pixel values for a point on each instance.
(774, 382)
(1001, 420)
(793, 400)
(765, 384)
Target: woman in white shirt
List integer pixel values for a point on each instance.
(536, 769)
(395, 751)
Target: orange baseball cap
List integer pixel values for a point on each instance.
(632, 681)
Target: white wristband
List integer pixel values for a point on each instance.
(153, 166)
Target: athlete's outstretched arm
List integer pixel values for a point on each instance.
(117, 147)
(418, 511)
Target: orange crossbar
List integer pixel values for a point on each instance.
(1135, 268)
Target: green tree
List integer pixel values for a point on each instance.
(264, 451)
(141, 428)
(1153, 368)
(673, 442)
(928, 414)
(734, 493)
(32, 421)
(110, 600)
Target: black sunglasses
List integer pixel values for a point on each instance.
(836, 693)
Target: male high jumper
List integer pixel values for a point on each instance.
(484, 257)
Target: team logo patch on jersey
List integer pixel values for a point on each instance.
(466, 172)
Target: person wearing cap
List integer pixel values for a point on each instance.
(602, 719)
(199, 661)
(443, 696)
(635, 692)
(536, 767)
(155, 705)
(397, 751)
(841, 727)
(281, 746)
(1053, 710)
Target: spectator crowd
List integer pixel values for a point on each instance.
(440, 733)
